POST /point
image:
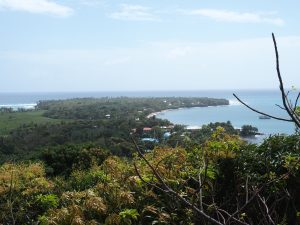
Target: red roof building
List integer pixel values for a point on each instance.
(145, 129)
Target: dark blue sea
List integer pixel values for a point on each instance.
(263, 100)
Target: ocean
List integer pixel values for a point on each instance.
(263, 100)
(238, 114)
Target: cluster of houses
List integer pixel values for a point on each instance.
(149, 133)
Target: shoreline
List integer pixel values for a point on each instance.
(17, 106)
(192, 107)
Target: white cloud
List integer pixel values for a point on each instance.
(233, 16)
(36, 6)
(134, 13)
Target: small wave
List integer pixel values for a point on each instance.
(193, 127)
(234, 102)
(19, 106)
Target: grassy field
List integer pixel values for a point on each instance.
(9, 121)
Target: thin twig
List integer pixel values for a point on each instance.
(263, 201)
(247, 189)
(259, 112)
(296, 102)
(200, 191)
(281, 86)
(170, 191)
(143, 180)
(233, 218)
(11, 202)
(287, 105)
(255, 194)
(279, 106)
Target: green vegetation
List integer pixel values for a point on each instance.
(110, 191)
(77, 164)
(98, 108)
(12, 120)
(105, 122)
(248, 130)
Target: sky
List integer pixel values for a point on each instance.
(147, 45)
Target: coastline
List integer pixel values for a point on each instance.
(192, 107)
(159, 112)
(19, 106)
(256, 139)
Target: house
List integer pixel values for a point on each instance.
(147, 129)
(150, 140)
(167, 135)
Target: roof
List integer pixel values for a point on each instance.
(167, 134)
(150, 140)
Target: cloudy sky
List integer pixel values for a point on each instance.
(113, 45)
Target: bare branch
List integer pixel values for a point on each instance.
(247, 190)
(263, 201)
(163, 159)
(279, 106)
(233, 218)
(159, 178)
(256, 192)
(200, 191)
(11, 202)
(259, 112)
(296, 102)
(287, 104)
(143, 180)
(281, 87)
(170, 191)
(220, 214)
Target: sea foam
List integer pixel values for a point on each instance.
(19, 106)
(234, 102)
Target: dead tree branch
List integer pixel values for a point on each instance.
(264, 203)
(287, 105)
(259, 112)
(170, 191)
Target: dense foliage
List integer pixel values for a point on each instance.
(113, 190)
(248, 130)
(106, 122)
(80, 166)
(98, 108)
